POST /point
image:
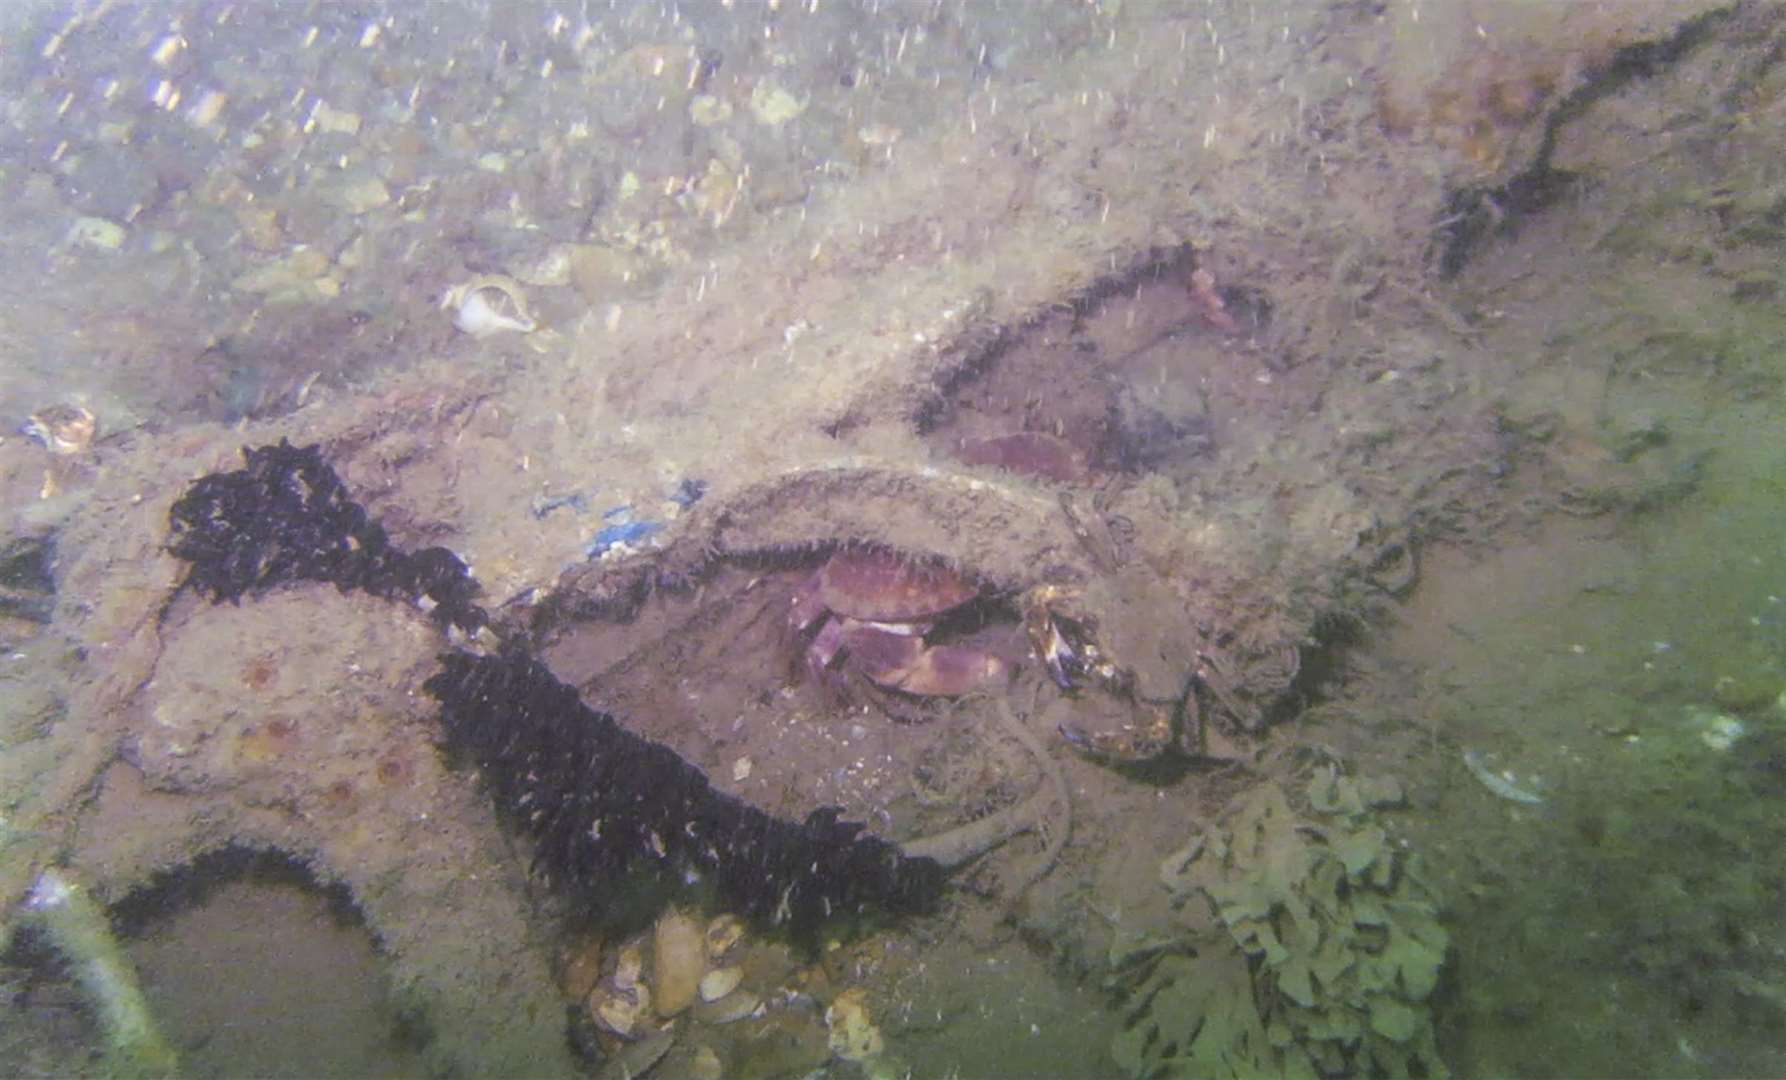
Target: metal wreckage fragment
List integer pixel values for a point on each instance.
(595, 798)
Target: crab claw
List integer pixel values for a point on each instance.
(1067, 649)
(950, 671)
(1146, 736)
(903, 662)
(1055, 653)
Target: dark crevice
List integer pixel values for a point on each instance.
(1475, 216)
(27, 581)
(981, 355)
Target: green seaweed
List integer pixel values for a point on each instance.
(1323, 950)
(81, 931)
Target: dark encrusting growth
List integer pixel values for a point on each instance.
(287, 517)
(595, 798)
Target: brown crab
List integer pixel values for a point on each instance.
(868, 611)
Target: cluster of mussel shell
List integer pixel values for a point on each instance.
(665, 1001)
(689, 974)
(635, 994)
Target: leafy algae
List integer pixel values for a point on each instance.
(1312, 950)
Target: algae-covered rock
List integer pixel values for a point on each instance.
(1322, 948)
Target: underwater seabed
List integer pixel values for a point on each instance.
(1627, 920)
(1417, 507)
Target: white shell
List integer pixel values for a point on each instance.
(854, 1037)
(491, 304)
(628, 966)
(734, 1006)
(619, 1011)
(725, 930)
(719, 982)
(478, 317)
(678, 960)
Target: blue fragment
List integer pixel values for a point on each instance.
(545, 504)
(618, 513)
(689, 492)
(623, 532)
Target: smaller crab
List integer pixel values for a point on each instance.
(1121, 721)
(868, 611)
